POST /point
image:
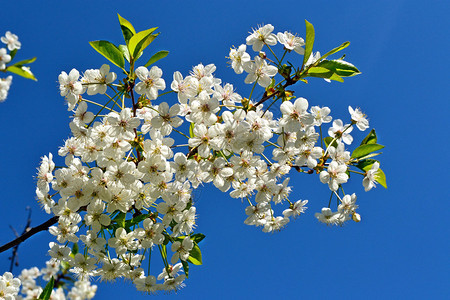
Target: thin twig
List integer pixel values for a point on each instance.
(13, 257)
(29, 233)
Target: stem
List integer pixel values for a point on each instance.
(273, 53)
(357, 172)
(251, 93)
(285, 51)
(180, 133)
(166, 93)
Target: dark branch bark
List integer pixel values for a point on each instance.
(13, 258)
(29, 233)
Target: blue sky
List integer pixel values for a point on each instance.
(399, 250)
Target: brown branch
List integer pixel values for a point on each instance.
(14, 255)
(29, 233)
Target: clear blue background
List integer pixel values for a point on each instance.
(400, 250)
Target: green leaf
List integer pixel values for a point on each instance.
(135, 220)
(363, 150)
(25, 62)
(75, 249)
(366, 164)
(328, 140)
(140, 41)
(380, 177)
(337, 49)
(340, 67)
(185, 268)
(309, 41)
(195, 256)
(371, 138)
(164, 251)
(127, 29)
(110, 51)
(125, 53)
(325, 73)
(21, 71)
(157, 56)
(13, 53)
(317, 70)
(47, 292)
(370, 155)
(191, 130)
(198, 237)
(120, 219)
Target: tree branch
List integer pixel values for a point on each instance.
(14, 255)
(29, 233)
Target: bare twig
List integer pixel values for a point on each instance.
(29, 233)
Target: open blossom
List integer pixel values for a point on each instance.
(260, 72)
(238, 58)
(70, 87)
(295, 209)
(341, 132)
(5, 84)
(291, 42)
(262, 35)
(151, 82)
(369, 180)
(330, 218)
(295, 115)
(11, 40)
(358, 118)
(334, 175)
(98, 79)
(181, 249)
(4, 58)
(321, 115)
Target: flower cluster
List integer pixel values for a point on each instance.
(9, 286)
(30, 288)
(12, 44)
(129, 171)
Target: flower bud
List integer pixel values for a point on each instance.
(356, 217)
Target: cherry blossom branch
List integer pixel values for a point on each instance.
(29, 233)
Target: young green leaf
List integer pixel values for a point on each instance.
(25, 62)
(185, 268)
(13, 53)
(47, 292)
(135, 220)
(157, 56)
(340, 67)
(127, 29)
(317, 70)
(380, 177)
(140, 41)
(74, 249)
(337, 49)
(120, 219)
(191, 130)
(110, 51)
(366, 164)
(328, 140)
(198, 237)
(363, 150)
(371, 138)
(124, 50)
(21, 71)
(309, 42)
(195, 256)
